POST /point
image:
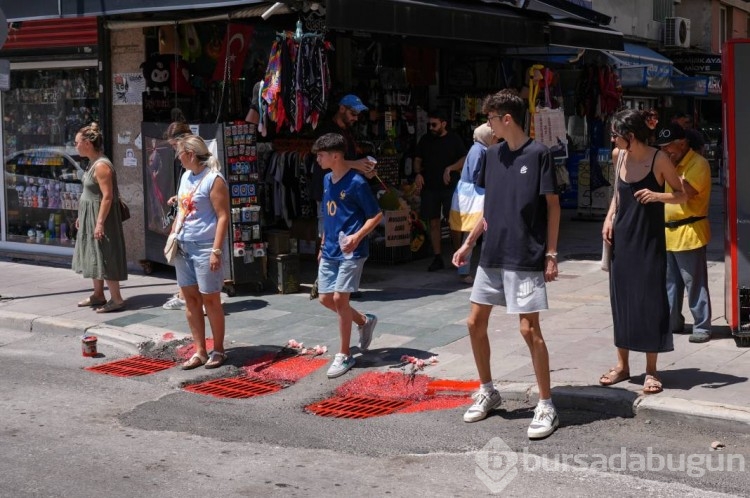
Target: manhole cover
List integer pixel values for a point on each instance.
(131, 367)
(235, 387)
(356, 407)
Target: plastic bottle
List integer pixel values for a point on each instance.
(343, 239)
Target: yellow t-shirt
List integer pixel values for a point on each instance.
(697, 173)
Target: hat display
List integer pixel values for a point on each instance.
(353, 102)
(669, 134)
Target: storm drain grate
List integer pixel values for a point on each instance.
(236, 387)
(132, 367)
(356, 407)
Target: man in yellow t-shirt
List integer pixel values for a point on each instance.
(688, 232)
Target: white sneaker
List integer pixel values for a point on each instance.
(341, 364)
(175, 303)
(544, 423)
(365, 331)
(483, 403)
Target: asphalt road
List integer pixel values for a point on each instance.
(68, 432)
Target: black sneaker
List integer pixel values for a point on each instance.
(437, 264)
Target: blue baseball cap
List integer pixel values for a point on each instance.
(353, 102)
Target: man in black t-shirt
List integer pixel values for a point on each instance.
(437, 163)
(519, 252)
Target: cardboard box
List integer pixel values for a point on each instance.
(278, 241)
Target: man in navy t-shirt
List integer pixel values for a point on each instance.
(438, 162)
(519, 252)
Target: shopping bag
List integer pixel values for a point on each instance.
(467, 206)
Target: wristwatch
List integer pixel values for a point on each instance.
(216, 251)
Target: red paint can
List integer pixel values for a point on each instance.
(88, 345)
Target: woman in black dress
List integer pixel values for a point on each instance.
(635, 227)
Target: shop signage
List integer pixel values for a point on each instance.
(397, 228)
(714, 85)
(697, 63)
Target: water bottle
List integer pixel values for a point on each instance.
(343, 239)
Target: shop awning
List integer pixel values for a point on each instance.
(442, 19)
(49, 9)
(639, 66)
(583, 35)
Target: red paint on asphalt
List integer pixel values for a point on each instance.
(288, 370)
(167, 336)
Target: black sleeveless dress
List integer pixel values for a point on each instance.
(638, 273)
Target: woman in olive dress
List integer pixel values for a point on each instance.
(100, 245)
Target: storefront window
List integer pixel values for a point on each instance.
(42, 113)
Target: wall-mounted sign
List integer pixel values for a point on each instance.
(697, 63)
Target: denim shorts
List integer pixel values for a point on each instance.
(193, 267)
(339, 275)
(518, 291)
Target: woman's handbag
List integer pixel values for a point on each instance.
(467, 206)
(124, 210)
(171, 247)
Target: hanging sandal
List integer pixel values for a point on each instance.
(216, 359)
(652, 385)
(613, 377)
(92, 301)
(195, 361)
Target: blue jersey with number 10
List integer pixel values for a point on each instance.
(347, 204)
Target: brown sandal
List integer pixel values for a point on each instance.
(92, 301)
(652, 385)
(613, 377)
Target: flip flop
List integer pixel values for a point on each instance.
(194, 362)
(652, 385)
(613, 377)
(111, 306)
(91, 301)
(216, 359)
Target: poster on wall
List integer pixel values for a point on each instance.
(128, 88)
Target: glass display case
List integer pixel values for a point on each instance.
(42, 112)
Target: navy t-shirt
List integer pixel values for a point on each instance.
(438, 153)
(515, 206)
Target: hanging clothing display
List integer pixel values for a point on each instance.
(296, 84)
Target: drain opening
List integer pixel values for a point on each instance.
(356, 407)
(132, 367)
(235, 387)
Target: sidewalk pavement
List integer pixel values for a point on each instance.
(424, 314)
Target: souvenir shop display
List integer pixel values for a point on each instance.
(42, 114)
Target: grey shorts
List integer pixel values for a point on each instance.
(518, 291)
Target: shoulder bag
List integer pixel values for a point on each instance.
(171, 247)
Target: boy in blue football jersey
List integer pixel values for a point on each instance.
(350, 213)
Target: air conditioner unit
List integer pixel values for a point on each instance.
(676, 32)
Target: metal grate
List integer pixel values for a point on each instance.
(356, 407)
(132, 367)
(236, 387)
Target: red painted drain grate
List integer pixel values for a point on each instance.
(236, 387)
(356, 407)
(132, 367)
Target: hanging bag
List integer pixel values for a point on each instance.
(607, 247)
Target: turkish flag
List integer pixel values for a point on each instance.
(235, 45)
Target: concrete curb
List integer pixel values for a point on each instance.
(128, 338)
(732, 417)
